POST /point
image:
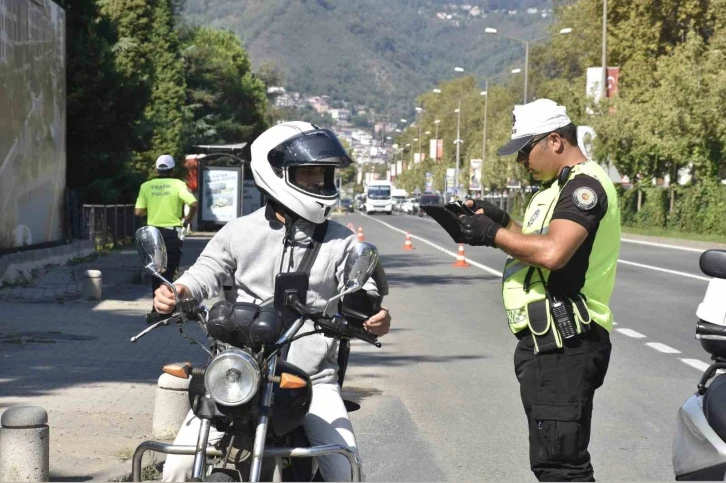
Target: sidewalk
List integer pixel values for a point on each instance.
(75, 360)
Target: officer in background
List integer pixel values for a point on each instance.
(162, 201)
(557, 285)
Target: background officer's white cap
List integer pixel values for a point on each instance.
(165, 162)
(529, 120)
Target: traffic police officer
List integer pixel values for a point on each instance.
(557, 284)
(162, 201)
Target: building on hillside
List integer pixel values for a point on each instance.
(340, 114)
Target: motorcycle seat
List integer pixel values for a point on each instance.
(714, 406)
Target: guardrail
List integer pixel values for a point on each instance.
(108, 225)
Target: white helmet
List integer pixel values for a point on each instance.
(279, 151)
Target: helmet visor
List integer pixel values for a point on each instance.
(318, 147)
(314, 180)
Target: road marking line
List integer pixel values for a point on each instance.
(695, 363)
(662, 245)
(452, 254)
(615, 323)
(662, 348)
(499, 274)
(665, 270)
(631, 333)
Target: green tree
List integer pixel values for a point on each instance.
(165, 110)
(226, 102)
(101, 111)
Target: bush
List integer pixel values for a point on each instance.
(699, 208)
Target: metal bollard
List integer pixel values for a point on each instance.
(92, 284)
(24, 444)
(171, 406)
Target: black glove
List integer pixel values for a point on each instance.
(497, 214)
(479, 230)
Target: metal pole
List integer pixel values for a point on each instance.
(604, 78)
(484, 139)
(458, 142)
(419, 144)
(526, 69)
(436, 146)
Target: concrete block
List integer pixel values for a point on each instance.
(24, 444)
(92, 284)
(171, 406)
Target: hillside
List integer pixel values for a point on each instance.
(381, 53)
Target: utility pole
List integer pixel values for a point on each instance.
(604, 78)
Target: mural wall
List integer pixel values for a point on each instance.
(32, 122)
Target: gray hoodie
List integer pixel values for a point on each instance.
(250, 251)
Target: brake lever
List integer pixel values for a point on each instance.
(149, 329)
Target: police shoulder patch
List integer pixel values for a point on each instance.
(585, 198)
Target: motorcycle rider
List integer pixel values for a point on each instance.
(294, 165)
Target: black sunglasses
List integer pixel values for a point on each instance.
(527, 148)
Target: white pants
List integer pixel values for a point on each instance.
(327, 422)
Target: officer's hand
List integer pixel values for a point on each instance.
(479, 230)
(484, 207)
(379, 323)
(164, 301)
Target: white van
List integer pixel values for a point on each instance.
(378, 197)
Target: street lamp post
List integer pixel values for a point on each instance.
(436, 145)
(458, 143)
(604, 78)
(418, 111)
(485, 93)
(525, 43)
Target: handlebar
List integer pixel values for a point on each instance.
(188, 309)
(337, 326)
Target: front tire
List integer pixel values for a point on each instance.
(220, 476)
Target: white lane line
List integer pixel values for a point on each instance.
(615, 323)
(665, 270)
(663, 245)
(662, 348)
(695, 363)
(631, 333)
(442, 249)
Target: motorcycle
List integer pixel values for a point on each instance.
(247, 390)
(699, 440)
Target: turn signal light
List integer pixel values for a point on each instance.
(180, 369)
(288, 381)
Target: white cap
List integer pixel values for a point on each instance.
(529, 120)
(165, 162)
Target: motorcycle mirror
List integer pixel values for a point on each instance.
(359, 266)
(152, 249)
(713, 263)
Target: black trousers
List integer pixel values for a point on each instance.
(557, 390)
(173, 257)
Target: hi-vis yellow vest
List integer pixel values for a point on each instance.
(522, 286)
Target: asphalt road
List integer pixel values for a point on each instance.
(440, 400)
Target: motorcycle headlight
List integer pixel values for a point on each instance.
(232, 378)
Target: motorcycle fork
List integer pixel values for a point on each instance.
(261, 433)
(200, 455)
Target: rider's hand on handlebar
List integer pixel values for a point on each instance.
(164, 302)
(379, 323)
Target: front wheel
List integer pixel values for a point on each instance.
(220, 476)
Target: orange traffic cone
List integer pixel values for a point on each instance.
(461, 258)
(360, 234)
(408, 245)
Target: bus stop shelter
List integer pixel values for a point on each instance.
(219, 175)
